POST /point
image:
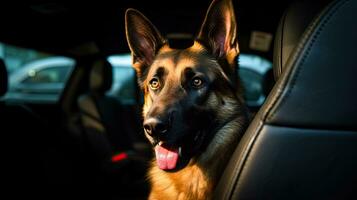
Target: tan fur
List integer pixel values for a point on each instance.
(196, 47)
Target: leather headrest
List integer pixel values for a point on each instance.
(179, 40)
(292, 26)
(318, 85)
(3, 78)
(101, 76)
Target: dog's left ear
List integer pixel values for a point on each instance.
(218, 30)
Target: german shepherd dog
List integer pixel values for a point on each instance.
(193, 112)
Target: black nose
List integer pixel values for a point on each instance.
(155, 127)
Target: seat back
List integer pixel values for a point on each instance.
(101, 115)
(302, 144)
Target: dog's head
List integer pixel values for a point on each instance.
(188, 92)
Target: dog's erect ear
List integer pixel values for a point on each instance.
(218, 30)
(143, 38)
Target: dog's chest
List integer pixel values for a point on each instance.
(189, 183)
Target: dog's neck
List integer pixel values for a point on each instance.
(222, 146)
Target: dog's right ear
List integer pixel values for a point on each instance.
(144, 40)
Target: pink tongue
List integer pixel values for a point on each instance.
(166, 158)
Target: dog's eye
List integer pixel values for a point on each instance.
(197, 82)
(154, 84)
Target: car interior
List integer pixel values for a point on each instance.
(297, 65)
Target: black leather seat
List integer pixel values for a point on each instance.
(302, 144)
(103, 124)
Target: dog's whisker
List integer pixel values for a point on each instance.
(180, 151)
(196, 137)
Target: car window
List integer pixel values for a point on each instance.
(252, 71)
(124, 82)
(47, 75)
(35, 76)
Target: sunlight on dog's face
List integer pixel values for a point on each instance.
(183, 88)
